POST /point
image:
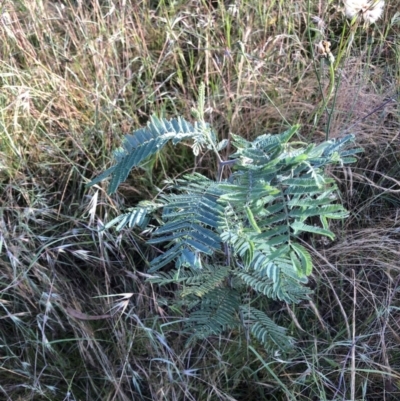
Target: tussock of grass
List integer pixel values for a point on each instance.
(77, 319)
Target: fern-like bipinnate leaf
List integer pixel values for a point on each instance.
(138, 216)
(147, 141)
(191, 221)
(272, 200)
(220, 238)
(195, 281)
(290, 288)
(214, 313)
(266, 330)
(212, 277)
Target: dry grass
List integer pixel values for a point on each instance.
(77, 319)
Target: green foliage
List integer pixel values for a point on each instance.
(265, 330)
(223, 238)
(148, 141)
